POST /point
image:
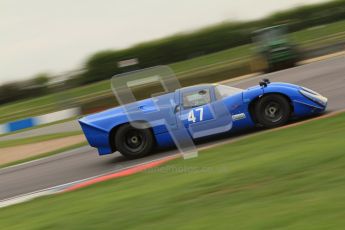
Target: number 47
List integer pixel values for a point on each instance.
(191, 116)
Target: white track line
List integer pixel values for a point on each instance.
(61, 188)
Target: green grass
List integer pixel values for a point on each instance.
(285, 179)
(320, 35)
(36, 139)
(47, 154)
(225, 56)
(308, 38)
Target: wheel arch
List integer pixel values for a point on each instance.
(251, 107)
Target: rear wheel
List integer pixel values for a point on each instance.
(132, 142)
(272, 111)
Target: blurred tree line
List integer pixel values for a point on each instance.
(34, 87)
(104, 64)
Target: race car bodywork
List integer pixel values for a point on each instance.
(202, 110)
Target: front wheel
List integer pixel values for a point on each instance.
(132, 142)
(273, 111)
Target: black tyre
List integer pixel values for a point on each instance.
(272, 111)
(132, 142)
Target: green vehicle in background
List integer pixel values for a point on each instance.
(273, 48)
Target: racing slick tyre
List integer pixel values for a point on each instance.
(133, 143)
(272, 111)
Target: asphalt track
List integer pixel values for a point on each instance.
(326, 77)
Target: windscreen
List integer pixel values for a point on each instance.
(223, 91)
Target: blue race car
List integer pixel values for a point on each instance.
(200, 110)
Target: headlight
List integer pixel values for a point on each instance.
(314, 96)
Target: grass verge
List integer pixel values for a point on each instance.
(291, 178)
(47, 154)
(36, 139)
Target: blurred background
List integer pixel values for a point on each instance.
(56, 56)
(56, 62)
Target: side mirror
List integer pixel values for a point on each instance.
(177, 109)
(264, 82)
